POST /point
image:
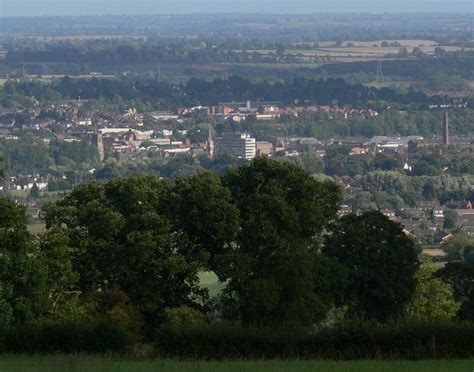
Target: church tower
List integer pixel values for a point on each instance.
(210, 144)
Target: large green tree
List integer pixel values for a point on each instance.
(203, 211)
(434, 298)
(274, 270)
(23, 279)
(455, 246)
(124, 239)
(62, 281)
(461, 278)
(381, 261)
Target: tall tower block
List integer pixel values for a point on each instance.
(446, 129)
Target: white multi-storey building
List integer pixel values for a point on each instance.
(239, 145)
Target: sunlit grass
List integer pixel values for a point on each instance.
(209, 280)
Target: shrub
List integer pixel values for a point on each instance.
(403, 340)
(64, 338)
(113, 307)
(183, 317)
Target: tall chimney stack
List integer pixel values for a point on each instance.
(446, 129)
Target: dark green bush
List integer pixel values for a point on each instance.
(64, 338)
(405, 340)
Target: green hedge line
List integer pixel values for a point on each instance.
(357, 341)
(226, 341)
(64, 338)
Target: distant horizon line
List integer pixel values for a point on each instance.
(464, 13)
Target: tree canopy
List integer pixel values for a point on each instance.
(23, 279)
(274, 271)
(381, 261)
(123, 238)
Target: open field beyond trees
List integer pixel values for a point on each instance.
(359, 50)
(209, 280)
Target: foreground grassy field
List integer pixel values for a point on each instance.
(85, 363)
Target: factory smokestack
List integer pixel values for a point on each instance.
(446, 129)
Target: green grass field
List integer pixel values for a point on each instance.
(209, 280)
(78, 363)
(36, 228)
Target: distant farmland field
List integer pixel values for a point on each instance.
(358, 50)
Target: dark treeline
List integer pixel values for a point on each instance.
(426, 123)
(418, 69)
(200, 92)
(133, 54)
(127, 254)
(29, 155)
(102, 56)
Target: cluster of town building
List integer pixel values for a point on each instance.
(262, 111)
(68, 114)
(122, 136)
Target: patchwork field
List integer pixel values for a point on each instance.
(357, 50)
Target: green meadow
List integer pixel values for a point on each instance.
(79, 363)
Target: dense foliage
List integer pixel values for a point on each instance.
(49, 338)
(23, 278)
(127, 254)
(461, 278)
(402, 340)
(282, 211)
(433, 299)
(381, 262)
(31, 154)
(123, 238)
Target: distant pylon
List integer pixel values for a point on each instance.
(380, 78)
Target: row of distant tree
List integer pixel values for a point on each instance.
(119, 55)
(130, 251)
(201, 92)
(29, 155)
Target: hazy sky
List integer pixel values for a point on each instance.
(99, 7)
